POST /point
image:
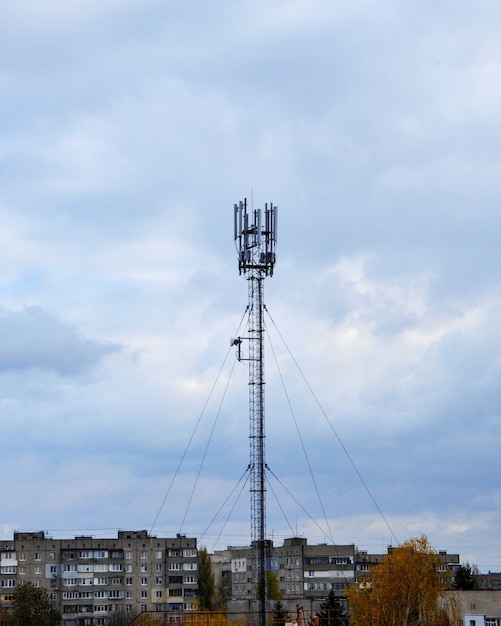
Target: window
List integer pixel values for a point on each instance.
(98, 567)
(70, 595)
(190, 552)
(158, 581)
(144, 580)
(101, 554)
(128, 595)
(174, 566)
(37, 582)
(38, 570)
(128, 581)
(128, 607)
(128, 554)
(100, 594)
(158, 593)
(52, 556)
(116, 594)
(100, 581)
(189, 566)
(8, 582)
(70, 568)
(85, 568)
(144, 554)
(116, 567)
(144, 567)
(144, 594)
(22, 556)
(85, 554)
(189, 579)
(159, 567)
(8, 569)
(143, 607)
(38, 556)
(22, 569)
(158, 554)
(175, 592)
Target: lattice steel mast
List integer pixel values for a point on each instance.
(255, 237)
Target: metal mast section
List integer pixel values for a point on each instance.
(255, 237)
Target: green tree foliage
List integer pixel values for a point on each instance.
(280, 614)
(464, 577)
(332, 612)
(272, 587)
(206, 583)
(223, 593)
(32, 606)
(404, 589)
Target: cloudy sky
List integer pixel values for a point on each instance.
(128, 130)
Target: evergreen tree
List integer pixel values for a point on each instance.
(332, 612)
(280, 614)
(464, 577)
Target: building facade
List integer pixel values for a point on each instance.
(480, 607)
(305, 573)
(90, 578)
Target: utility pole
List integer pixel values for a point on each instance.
(255, 238)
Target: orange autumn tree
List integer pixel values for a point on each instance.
(405, 589)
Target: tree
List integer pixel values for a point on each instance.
(206, 584)
(280, 614)
(332, 612)
(404, 589)
(272, 587)
(223, 593)
(32, 606)
(464, 577)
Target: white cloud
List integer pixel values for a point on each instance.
(32, 339)
(129, 131)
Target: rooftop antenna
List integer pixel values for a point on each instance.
(255, 235)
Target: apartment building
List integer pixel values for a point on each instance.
(89, 578)
(305, 573)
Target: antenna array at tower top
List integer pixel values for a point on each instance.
(256, 233)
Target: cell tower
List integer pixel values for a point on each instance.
(255, 238)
